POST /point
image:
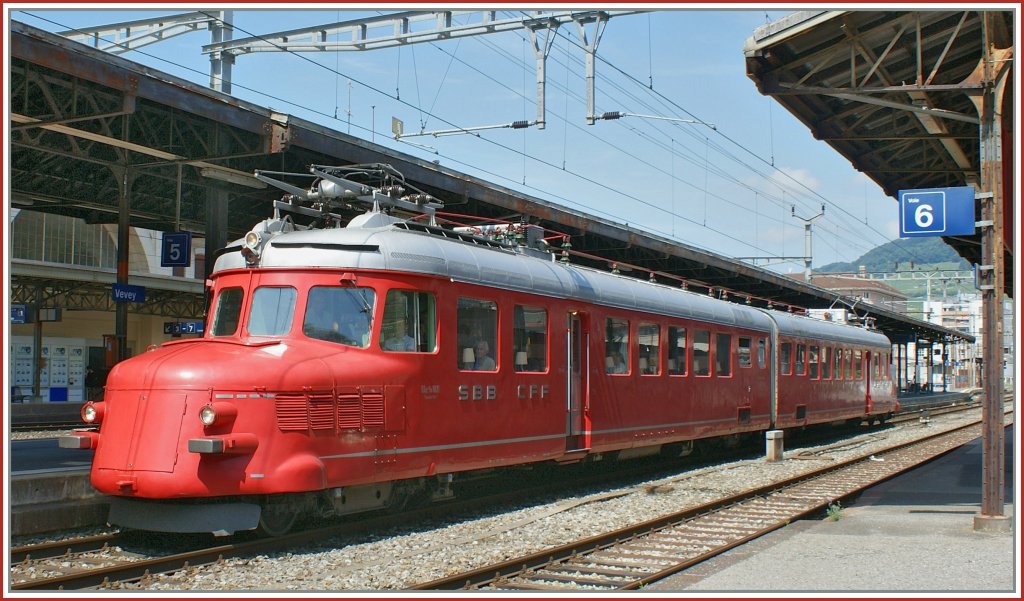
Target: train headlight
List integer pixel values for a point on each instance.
(215, 414)
(92, 413)
(252, 245)
(253, 240)
(208, 415)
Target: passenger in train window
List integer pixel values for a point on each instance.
(482, 361)
(400, 340)
(615, 364)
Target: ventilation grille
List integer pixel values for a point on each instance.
(349, 417)
(373, 408)
(321, 411)
(292, 415)
(359, 408)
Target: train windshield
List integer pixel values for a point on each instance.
(225, 316)
(342, 315)
(272, 310)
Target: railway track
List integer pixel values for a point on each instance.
(644, 553)
(118, 560)
(114, 561)
(107, 561)
(47, 426)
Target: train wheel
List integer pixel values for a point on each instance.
(276, 519)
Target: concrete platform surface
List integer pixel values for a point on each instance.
(912, 534)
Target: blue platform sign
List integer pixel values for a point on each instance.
(19, 314)
(937, 212)
(176, 249)
(124, 293)
(183, 327)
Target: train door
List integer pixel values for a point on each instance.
(867, 382)
(577, 434)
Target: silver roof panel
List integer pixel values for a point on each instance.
(396, 249)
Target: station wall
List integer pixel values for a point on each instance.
(68, 348)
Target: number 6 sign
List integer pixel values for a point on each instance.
(937, 212)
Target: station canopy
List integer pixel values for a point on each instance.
(95, 136)
(896, 93)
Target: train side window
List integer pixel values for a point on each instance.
(877, 364)
(838, 373)
(761, 348)
(786, 358)
(858, 365)
(812, 363)
(530, 339)
(272, 310)
(723, 355)
(676, 351)
(416, 314)
(478, 334)
(649, 348)
(342, 315)
(826, 363)
(229, 308)
(801, 364)
(849, 364)
(743, 351)
(616, 346)
(701, 353)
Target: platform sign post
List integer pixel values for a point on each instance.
(937, 212)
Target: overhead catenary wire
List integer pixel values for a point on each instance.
(672, 146)
(371, 130)
(453, 159)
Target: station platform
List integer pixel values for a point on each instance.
(42, 413)
(912, 534)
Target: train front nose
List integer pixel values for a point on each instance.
(151, 410)
(141, 436)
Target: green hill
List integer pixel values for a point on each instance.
(904, 254)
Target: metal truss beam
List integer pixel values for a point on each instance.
(399, 29)
(88, 289)
(73, 296)
(118, 38)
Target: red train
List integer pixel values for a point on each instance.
(345, 369)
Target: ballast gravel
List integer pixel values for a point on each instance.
(398, 560)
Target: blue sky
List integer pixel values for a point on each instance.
(728, 190)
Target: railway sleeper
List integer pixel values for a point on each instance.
(613, 557)
(670, 538)
(577, 579)
(508, 585)
(603, 569)
(641, 551)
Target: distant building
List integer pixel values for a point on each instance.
(875, 292)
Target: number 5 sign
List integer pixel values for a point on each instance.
(176, 249)
(937, 212)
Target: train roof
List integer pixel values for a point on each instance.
(800, 326)
(376, 241)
